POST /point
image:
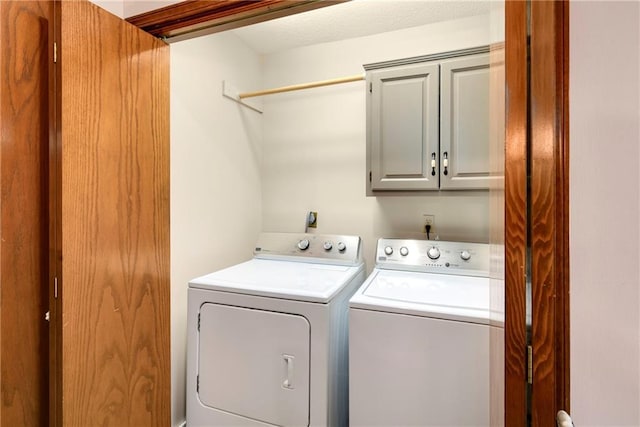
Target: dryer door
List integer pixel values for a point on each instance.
(255, 364)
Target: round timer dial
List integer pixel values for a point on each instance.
(433, 252)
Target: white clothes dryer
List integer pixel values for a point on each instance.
(267, 338)
(419, 337)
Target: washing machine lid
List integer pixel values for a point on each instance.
(302, 281)
(442, 296)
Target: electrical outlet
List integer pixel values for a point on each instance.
(429, 220)
(312, 219)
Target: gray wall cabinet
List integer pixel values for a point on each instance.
(428, 123)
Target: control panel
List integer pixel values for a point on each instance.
(325, 248)
(434, 256)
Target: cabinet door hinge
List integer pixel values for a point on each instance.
(529, 364)
(198, 322)
(55, 52)
(55, 287)
(197, 383)
(370, 87)
(370, 176)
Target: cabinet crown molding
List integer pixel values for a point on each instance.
(427, 58)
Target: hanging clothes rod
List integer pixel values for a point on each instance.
(301, 86)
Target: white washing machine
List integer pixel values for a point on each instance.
(267, 339)
(419, 337)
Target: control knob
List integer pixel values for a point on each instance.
(465, 255)
(303, 244)
(341, 246)
(433, 252)
(404, 251)
(327, 245)
(388, 250)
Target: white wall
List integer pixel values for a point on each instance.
(314, 142)
(604, 204)
(215, 175)
(116, 7)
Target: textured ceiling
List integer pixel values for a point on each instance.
(353, 19)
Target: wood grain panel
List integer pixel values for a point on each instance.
(24, 114)
(115, 221)
(549, 211)
(196, 17)
(515, 212)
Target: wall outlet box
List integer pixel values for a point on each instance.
(312, 220)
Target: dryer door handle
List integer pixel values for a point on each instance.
(288, 361)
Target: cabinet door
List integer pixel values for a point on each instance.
(464, 132)
(403, 127)
(254, 364)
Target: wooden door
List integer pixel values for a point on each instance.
(113, 313)
(26, 29)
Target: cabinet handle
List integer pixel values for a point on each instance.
(288, 382)
(433, 164)
(445, 163)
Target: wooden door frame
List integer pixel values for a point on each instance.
(193, 18)
(536, 200)
(549, 195)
